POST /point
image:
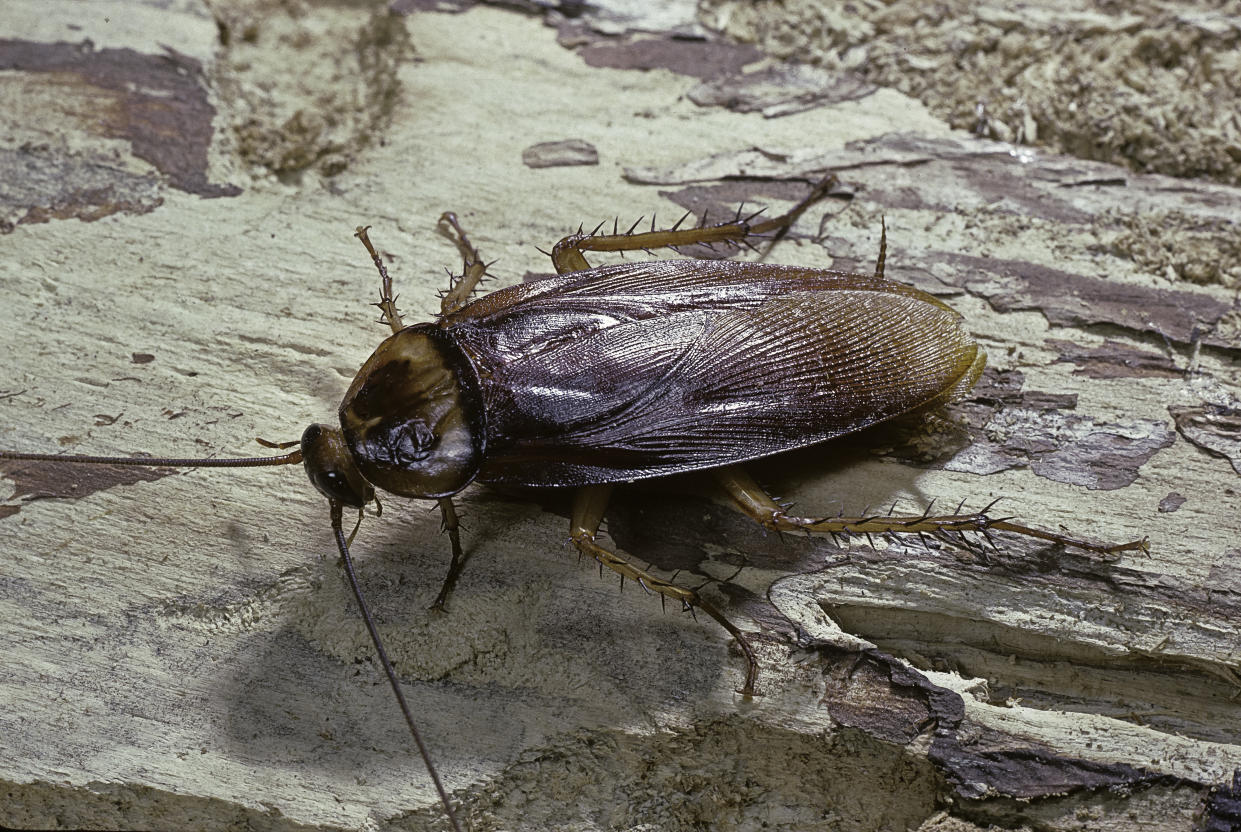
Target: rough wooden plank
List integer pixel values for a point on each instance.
(182, 649)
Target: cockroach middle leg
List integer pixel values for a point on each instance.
(750, 498)
(568, 255)
(588, 507)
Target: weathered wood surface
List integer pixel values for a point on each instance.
(180, 649)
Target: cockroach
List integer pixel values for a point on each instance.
(627, 372)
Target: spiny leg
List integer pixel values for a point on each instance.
(387, 302)
(568, 256)
(588, 507)
(342, 544)
(750, 498)
(450, 524)
(472, 271)
(883, 248)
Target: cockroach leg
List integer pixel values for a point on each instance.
(750, 498)
(568, 255)
(387, 302)
(588, 507)
(883, 248)
(452, 525)
(472, 270)
(356, 527)
(337, 511)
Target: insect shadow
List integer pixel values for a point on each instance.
(621, 373)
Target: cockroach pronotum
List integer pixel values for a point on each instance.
(626, 372)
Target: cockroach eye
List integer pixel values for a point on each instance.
(331, 468)
(413, 417)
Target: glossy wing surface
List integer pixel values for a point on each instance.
(706, 367)
(528, 314)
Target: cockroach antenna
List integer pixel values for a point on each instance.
(309, 448)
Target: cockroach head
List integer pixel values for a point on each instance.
(331, 468)
(413, 418)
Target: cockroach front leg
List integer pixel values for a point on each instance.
(750, 498)
(588, 508)
(450, 525)
(387, 301)
(568, 255)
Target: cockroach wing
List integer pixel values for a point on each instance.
(702, 364)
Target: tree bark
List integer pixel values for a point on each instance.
(179, 277)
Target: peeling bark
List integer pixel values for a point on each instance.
(182, 650)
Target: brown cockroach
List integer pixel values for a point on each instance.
(627, 372)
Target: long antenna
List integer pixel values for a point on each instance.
(292, 458)
(343, 545)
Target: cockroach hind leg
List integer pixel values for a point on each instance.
(568, 255)
(588, 508)
(750, 499)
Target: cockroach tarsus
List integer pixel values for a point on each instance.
(619, 373)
